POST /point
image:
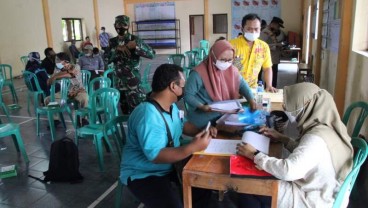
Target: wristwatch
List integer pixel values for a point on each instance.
(256, 152)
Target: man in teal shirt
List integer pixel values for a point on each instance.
(147, 159)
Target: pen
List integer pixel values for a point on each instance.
(208, 126)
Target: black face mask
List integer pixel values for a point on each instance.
(180, 96)
(121, 31)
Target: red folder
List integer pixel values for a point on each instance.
(244, 167)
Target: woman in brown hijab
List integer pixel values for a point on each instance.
(320, 158)
(215, 79)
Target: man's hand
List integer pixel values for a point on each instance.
(201, 141)
(253, 105)
(205, 108)
(124, 49)
(213, 131)
(131, 44)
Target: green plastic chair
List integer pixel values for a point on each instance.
(186, 71)
(114, 129)
(60, 108)
(24, 60)
(86, 76)
(145, 84)
(3, 106)
(12, 129)
(107, 99)
(361, 118)
(361, 152)
(7, 72)
(201, 55)
(34, 90)
(205, 45)
(109, 73)
(103, 82)
(191, 58)
(177, 59)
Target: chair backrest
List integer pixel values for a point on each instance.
(177, 59)
(191, 58)
(106, 99)
(360, 155)
(115, 129)
(24, 60)
(64, 90)
(205, 45)
(103, 82)
(363, 106)
(1, 88)
(6, 71)
(146, 73)
(109, 73)
(186, 71)
(86, 76)
(31, 81)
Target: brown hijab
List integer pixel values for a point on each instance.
(220, 85)
(320, 117)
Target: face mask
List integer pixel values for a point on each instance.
(222, 65)
(121, 31)
(88, 54)
(292, 115)
(180, 96)
(59, 65)
(251, 36)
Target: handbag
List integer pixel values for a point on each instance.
(179, 165)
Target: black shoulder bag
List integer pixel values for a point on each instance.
(178, 166)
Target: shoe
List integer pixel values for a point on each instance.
(56, 123)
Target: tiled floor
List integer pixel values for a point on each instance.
(23, 191)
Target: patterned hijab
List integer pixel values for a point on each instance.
(220, 85)
(320, 117)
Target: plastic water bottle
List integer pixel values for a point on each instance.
(259, 95)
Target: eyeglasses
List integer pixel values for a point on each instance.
(227, 60)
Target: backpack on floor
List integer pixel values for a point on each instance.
(64, 162)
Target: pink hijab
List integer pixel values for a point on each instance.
(220, 85)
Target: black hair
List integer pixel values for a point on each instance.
(220, 38)
(47, 51)
(63, 56)
(87, 37)
(263, 23)
(250, 16)
(95, 50)
(164, 75)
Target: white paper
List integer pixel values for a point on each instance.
(258, 141)
(222, 146)
(229, 105)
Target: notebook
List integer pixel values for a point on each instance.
(243, 167)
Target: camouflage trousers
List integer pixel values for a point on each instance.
(130, 97)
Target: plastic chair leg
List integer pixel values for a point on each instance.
(98, 145)
(5, 110)
(38, 124)
(14, 94)
(28, 101)
(18, 141)
(118, 194)
(52, 125)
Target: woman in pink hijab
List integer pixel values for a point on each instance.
(215, 79)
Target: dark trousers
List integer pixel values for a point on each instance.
(160, 192)
(254, 201)
(275, 70)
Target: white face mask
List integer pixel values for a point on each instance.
(251, 36)
(88, 54)
(292, 115)
(59, 65)
(222, 65)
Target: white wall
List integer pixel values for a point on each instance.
(22, 31)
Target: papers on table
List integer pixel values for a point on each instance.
(258, 141)
(221, 147)
(228, 106)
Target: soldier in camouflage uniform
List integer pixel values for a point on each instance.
(125, 52)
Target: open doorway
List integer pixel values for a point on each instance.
(196, 26)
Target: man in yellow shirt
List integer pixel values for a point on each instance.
(254, 53)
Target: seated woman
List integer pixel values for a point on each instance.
(320, 158)
(215, 79)
(34, 65)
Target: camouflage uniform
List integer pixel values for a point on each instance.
(127, 68)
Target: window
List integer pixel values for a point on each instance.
(72, 29)
(219, 23)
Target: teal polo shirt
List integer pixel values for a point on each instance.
(146, 137)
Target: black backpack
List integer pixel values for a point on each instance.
(64, 162)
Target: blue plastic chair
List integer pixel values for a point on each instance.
(12, 129)
(361, 152)
(177, 59)
(34, 90)
(106, 99)
(145, 84)
(7, 72)
(363, 106)
(60, 108)
(205, 45)
(2, 104)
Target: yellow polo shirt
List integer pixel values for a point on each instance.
(253, 59)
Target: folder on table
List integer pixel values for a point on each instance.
(244, 167)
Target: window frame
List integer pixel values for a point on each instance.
(73, 29)
(216, 29)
